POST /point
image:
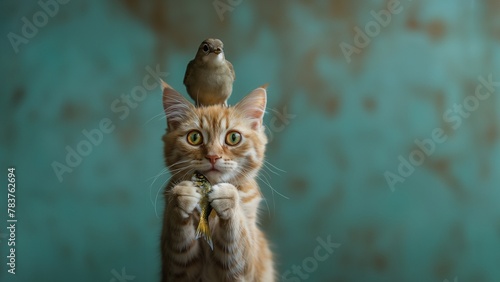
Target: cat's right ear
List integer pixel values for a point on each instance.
(175, 106)
(253, 106)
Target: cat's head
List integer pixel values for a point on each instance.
(226, 144)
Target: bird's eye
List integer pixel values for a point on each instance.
(233, 138)
(195, 138)
(205, 48)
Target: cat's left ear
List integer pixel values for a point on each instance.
(253, 106)
(175, 106)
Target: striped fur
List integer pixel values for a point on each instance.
(241, 252)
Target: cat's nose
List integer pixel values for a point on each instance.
(212, 158)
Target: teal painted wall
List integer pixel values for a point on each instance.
(338, 126)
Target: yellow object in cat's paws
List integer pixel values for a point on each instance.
(203, 229)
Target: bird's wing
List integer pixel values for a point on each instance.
(231, 69)
(189, 71)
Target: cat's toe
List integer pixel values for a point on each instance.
(186, 197)
(223, 198)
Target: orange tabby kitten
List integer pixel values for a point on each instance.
(227, 145)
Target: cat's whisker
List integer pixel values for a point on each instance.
(272, 192)
(248, 177)
(266, 182)
(267, 205)
(158, 191)
(162, 113)
(163, 172)
(275, 167)
(265, 167)
(265, 172)
(189, 171)
(151, 186)
(177, 163)
(269, 185)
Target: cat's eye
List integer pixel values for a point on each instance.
(233, 138)
(195, 138)
(205, 48)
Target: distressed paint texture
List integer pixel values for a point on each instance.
(335, 127)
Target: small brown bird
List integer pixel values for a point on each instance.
(209, 76)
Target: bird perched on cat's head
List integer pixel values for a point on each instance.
(209, 76)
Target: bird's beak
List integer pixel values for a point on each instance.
(217, 50)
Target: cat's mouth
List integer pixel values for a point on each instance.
(214, 175)
(212, 170)
(217, 171)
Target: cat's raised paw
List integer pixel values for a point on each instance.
(223, 198)
(186, 197)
